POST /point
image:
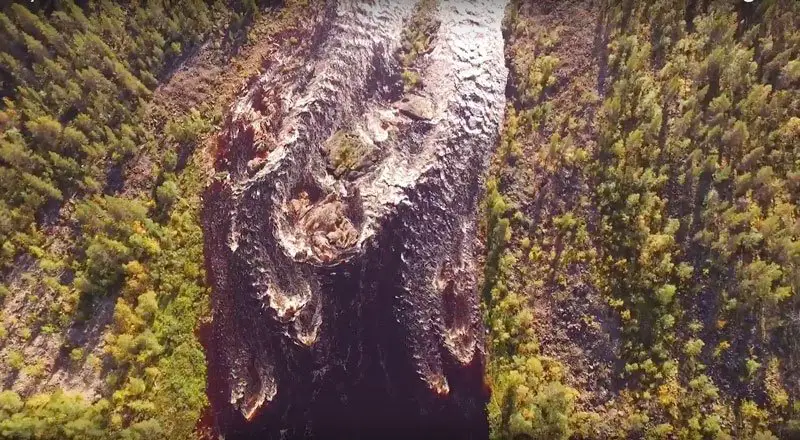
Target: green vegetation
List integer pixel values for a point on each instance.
(416, 41)
(532, 253)
(676, 201)
(77, 84)
(54, 417)
(706, 176)
(348, 153)
(74, 86)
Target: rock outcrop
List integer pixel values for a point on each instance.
(341, 233)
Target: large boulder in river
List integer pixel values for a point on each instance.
(416, 107)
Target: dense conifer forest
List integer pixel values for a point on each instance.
(98, 214)
(646, 192)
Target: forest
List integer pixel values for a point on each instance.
(641, 227)
(83, 230)
(661, 185)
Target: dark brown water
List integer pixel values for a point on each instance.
(347, 307)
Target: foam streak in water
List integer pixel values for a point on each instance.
(345, 303)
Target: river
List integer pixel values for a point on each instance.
(345, 303)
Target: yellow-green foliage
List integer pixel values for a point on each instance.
(76, 82)
(347, 153)
(686, 225)
(692, 183)
(528, 397)
(416, 41)
(188, 129)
